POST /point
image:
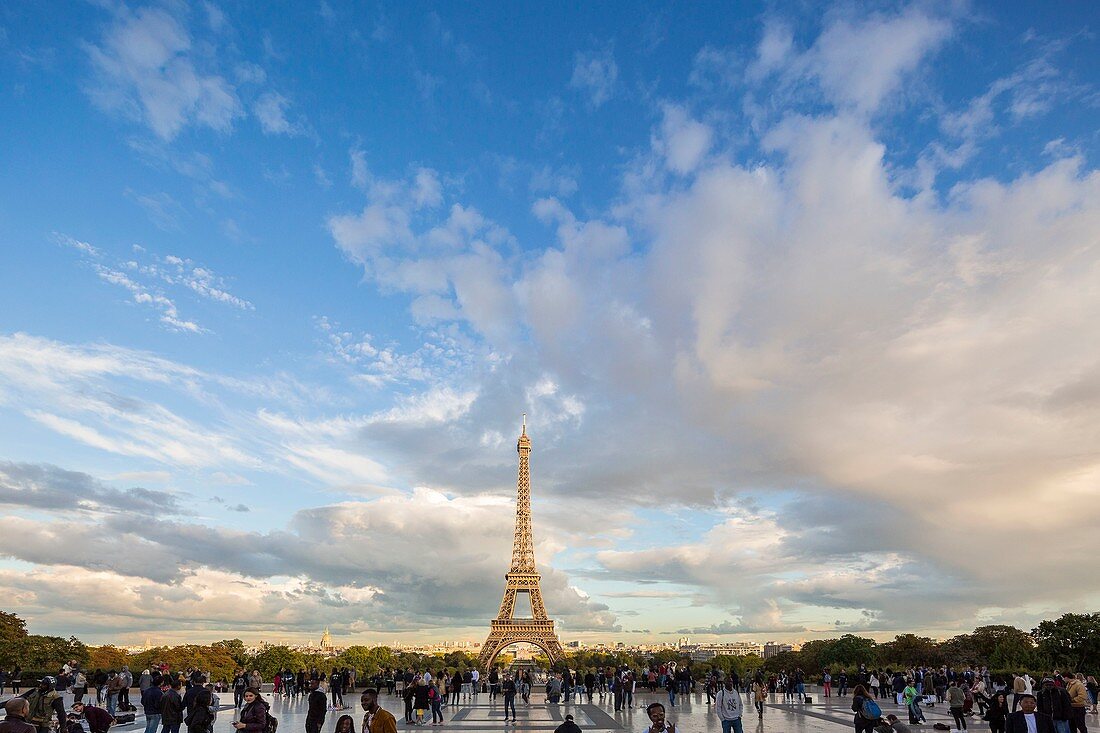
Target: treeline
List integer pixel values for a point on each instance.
(1070, 642)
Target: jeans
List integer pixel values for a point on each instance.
(152, 722)
(672, 696)
(112, 703)
(916, 715)
(960, 718)
(509, 704)
(734, 725)
(1061, 726)
(437, 712)
(238, 697)
(759, 707)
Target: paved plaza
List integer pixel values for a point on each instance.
(690, 714)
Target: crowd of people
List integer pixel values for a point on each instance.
(1057, 703)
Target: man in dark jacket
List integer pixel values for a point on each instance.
(1054, 701)
(1027, 719)
(150, 705)
(568, 726)
(99, 720)
(171, 706)
(318, 707)
(198, 717)
(17, 710)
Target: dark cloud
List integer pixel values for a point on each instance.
(44, 486)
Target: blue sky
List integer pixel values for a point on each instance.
(798, 301)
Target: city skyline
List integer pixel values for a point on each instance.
(799, 304)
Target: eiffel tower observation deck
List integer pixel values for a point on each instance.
(522, 577)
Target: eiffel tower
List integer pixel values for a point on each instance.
(522, 577)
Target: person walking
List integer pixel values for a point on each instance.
(866, 710)
(911, 698)
(509, 689)
(1078, 700)
(759, 695)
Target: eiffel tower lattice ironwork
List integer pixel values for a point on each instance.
(522, 577)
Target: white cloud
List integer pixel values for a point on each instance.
(147, 69)
(683, 141)
(595, 74)
(270, 109)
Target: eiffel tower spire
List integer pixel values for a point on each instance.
(522, 577)
(523, 544)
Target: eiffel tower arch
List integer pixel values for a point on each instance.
(522, 577)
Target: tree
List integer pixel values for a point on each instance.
(977, 648)
(49, 653)
(1072, 640)
(107, 657)
(277, 658)
(13, 634)
(910, 650)
(236, 651)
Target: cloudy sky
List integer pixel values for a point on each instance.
(802, 308)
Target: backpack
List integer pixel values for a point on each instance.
(870, 709)
(271, 723)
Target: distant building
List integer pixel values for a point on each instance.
(773, 648)
(706, 652)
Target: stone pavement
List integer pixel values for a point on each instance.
(691, 715)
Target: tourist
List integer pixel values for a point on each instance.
(170, 705)
(895, 725)
(345, 724)
(759, 695)
(866, 715)
(420, 700)
(127, 681)
(98, 719)
(1079, 700)
(240, 684)
(494, 684)
(956, 698)
(475, 679)
(435, 699)
(910, 697)
(729, 706)
(199, 719)
(255, 711)
(316, 707)
(1054, 701)
(1027, 719)
(336, 689)
(15, 721)
(1093, 691)
(150, 705)
(567, 726)
(525, 687)
(589, 684)
(658, 723)
(45, 703)
(509, 689)
(827, 683)
(376, 719)
(998, 711)
(671, 685)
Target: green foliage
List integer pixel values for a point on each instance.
(1073, 641)
(107, 657)
(49, 653)
(236, 651)
(909, 650)
(13, 633)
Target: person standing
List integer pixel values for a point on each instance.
(170, 706)
(730, 708)
(435, 699)
(254, 713)
(45, 702)
(509, 688)
(827, 683)
(15, 720)
(317, 707)
(1027, 719)
(956, 699)
(126, 681)
(1078, 700)
(420, 700)
(240, 684)
(997, 713)
(864, 722)
(150, 705)
(376, 719)
(198, 718)
(657, 721)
